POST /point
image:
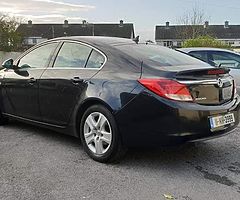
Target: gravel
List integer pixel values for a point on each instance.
(36, 163)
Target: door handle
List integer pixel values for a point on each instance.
(76, 80)
(32, 81)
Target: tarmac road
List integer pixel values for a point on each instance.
(36, 163)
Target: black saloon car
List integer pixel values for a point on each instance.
(114, 93)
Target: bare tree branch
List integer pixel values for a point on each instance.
(192, 23)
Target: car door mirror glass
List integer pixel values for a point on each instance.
(8, 64)
(24, 66)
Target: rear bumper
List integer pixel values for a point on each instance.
(149, 120)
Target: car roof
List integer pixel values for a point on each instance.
(97, 40)
(187, 50)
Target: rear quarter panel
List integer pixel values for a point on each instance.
(113, 85)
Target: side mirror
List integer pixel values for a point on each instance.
(8, 64)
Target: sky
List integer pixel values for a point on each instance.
(145, 14)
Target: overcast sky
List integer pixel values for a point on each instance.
(145, 14)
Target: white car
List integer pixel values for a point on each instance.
(218, 57)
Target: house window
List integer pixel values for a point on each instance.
(34, 40)
(168, 43)
(179, 44)
(25, 41)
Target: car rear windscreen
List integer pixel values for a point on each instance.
(154, 55)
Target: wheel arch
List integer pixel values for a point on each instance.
(83, 107)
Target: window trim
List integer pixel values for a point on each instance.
(84, 68)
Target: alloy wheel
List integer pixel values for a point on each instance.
(97, 133)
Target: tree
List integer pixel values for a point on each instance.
(10, 39)
(192, 24)
(205, 41)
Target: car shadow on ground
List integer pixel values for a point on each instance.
(44, 133)
(208, 151)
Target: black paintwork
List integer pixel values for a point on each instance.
(53, 98)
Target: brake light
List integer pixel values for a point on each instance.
(216, 72)
(169, 89)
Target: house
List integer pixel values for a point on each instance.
(35, 33)
(173, 36)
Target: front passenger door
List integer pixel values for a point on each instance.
(20, 86)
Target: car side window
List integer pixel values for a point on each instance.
(72, 55)
(39, 57)
(226, 59)
(202, 55)
(96, 60)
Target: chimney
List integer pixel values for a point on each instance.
(65, 25)
(206, 24)
(167, 24)
(121, 23)
(226, 25)
(84, 23)
(29, 23)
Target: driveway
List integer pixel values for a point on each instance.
(36, 163)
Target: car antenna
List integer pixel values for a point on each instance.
(141, 70)
(136, 39)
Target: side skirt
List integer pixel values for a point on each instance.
(33, 121)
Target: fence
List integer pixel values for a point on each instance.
(5, 55)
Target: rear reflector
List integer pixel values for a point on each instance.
(166, 88)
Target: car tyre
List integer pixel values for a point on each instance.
(3, 120)
(100, 136)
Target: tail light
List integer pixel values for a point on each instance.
(166, 88)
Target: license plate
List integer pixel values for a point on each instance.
(222, 120)
(227, 93)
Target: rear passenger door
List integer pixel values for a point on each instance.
(62, 85)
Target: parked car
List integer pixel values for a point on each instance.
(218, 57)
(113, 94)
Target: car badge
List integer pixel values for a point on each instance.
(220, 83)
